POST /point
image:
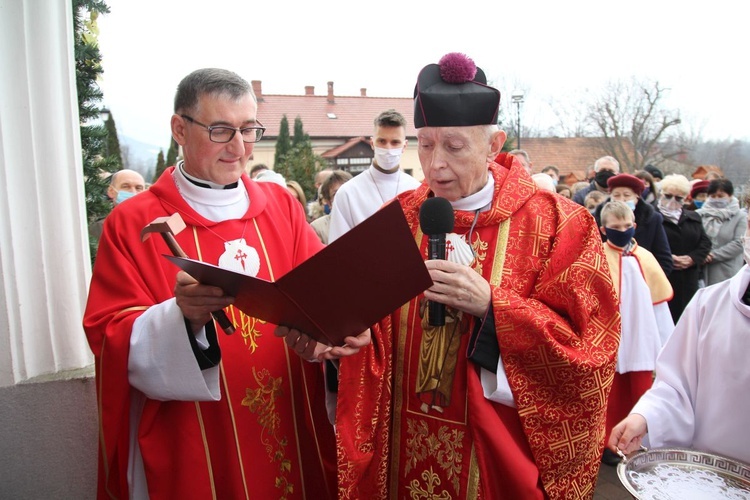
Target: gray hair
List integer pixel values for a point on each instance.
(212, 81)
(606, 159)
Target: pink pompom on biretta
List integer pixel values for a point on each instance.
(457, 68)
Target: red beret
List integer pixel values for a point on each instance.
(626, 180)
(699, 187)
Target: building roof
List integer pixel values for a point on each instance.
(571, 155)
(329, 115)
(333, 153)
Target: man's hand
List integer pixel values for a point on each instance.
(311, 350)
(459, 287)
(627, 436)
(197, 301)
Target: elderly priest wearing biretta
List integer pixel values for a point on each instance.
(507, 399)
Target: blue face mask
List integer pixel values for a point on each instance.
(619, 238)
(326, 209)
(124, 195)
(631, 204)
(698, 203)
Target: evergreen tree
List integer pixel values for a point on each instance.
(160, 166)
(302, 164)
(295, 159)
(299, 134)
(93, 137)
(283, 146)
(112, 149)
(172, 152)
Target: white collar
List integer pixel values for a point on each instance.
(204, 196)
(480, 200)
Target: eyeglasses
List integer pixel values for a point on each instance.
(223, 134)
(680, 199)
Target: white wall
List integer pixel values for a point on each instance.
(48, 415)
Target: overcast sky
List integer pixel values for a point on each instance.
(549, 49)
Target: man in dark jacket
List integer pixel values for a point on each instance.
(604, 168)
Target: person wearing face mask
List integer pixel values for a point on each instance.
(604, 168)
(699, 398)
(123, 185)
(649, 232)
(553, 172)
(724, 223)
(384, 180)
(644, 291)
(687, 239)
(698, 194)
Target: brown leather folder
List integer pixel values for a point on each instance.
(342, 290)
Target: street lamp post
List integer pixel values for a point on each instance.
(104, 115)
(517, 97)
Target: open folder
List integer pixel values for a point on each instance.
(342, 290)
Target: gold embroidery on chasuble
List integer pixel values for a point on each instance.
(262, 402)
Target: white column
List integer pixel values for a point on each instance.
(44, 256)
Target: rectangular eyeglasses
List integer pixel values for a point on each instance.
(223, 134)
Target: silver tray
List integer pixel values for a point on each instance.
(649, 480)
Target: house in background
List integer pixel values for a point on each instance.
(340, 127)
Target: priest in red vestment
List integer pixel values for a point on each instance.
(508, 398)
(185, 410)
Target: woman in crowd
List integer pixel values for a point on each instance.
(297, 191)
(564, 190)
(687, 240)
(651, 193)
(697, 194)
(724, 223)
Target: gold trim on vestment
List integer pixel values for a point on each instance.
(398, 398)
(229, 407)
(129, 309)
(501, 244)
(102, 441)
(206, 450)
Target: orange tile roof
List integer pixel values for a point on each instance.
(571, 155)
(353, 115)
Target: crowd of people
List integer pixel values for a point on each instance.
(561, 302)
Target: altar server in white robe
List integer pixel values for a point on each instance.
(362, 196)
(700, 398)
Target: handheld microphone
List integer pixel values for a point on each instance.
(435, 219)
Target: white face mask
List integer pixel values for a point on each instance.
(716, 202)
(388, 159)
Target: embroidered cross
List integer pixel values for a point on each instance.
(241, 256)
(569, 439)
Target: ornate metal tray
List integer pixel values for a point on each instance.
(683, 474)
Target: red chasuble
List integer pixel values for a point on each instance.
(268, 436)
(412, 420)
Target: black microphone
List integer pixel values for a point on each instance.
(435, 219)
